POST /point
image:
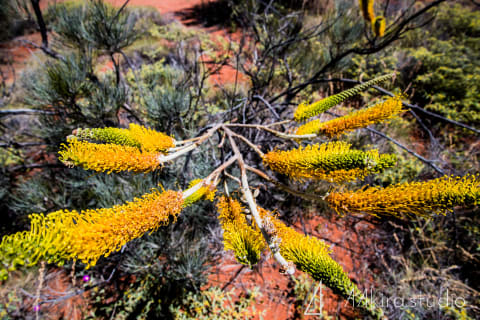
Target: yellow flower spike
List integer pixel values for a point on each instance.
(333, 161)
(312, 255)
(151, 140)
(305, 111)
(135, 136)
(378, 26)
(204, 192)
(45, 241)
(100, 232)
(244, 240)
(107, 157)
(89, 235)
(107, 135)
(414, 198)
(355, 120)
(366, 6)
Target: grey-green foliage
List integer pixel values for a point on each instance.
(106, 98)
(164, 92)
(67, 20)
(76, 189)
(74, 94)
(58, 83)
(49, 191)
(446, 60)
(108, 28)
(94, 24)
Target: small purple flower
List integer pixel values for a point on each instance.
(36, 308)
(86, 278)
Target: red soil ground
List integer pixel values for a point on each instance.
(350, 243)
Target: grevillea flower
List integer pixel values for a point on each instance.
(87, 236)
(312, 255)
(100, 232)
(107, 157)
(378, 26)
(366, 6)
(244, 240)
(413, 198)
(359, 119)
(135, 136)
(206, 192)
(45, 241)
(305, 111)
(333, 161)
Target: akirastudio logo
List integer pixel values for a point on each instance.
(314, 302)
(314, 307)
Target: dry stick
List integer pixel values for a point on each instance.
(269, 106)
(23, 111)
(72, 274)
(233, 178)
(45, 50)
(278, 123)
(286, 266)
(275, 132)
(414, 106)
(178, 143)
(429, 162)
(164, 158)
(23, 144)
(39, 289)
(249, 143)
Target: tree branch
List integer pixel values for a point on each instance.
(286, 266)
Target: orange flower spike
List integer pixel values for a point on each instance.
(355, 120)
(107, 157)
(366, 6)
(334, 162)
(244, 240)
(151, 140)
(135, 136)
(100, 232)
(415, 198)
(378, 26)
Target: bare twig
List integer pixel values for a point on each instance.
(275, 132)
(7, 112)
(188, 148)
(429, 162)
(286, 266)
